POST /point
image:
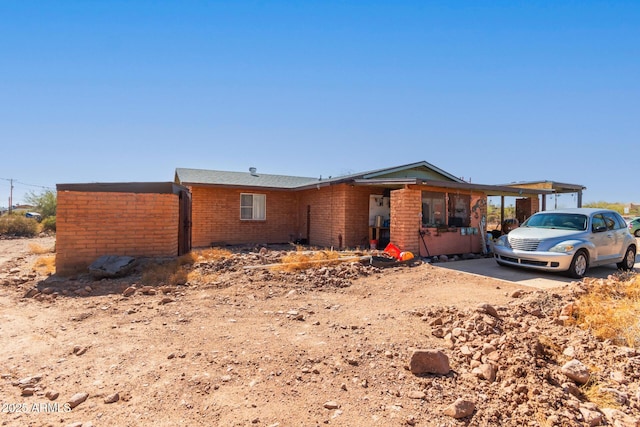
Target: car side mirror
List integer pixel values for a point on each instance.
(600, 229)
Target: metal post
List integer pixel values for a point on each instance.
(10, 195)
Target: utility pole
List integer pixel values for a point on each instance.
(10, 195)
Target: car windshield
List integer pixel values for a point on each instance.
(565, 221)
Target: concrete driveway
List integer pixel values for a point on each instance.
(489, 268)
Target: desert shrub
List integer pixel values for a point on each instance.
(17, 225)
(49, 224)
(301, 260)
(45, 265)
(611, 309)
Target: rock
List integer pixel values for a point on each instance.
(28, 391)
(79, 351)
(331, 405)
(416, 394)
(593, 418)
(129, 291)
(619, 418)
(31, 293)
(51, 395)
(486, 371)
(489, 309)
(429, 362)
(165, 300)
(110, 266)
(112, 398)
(461, 408)
(77, 399)
(576, 371)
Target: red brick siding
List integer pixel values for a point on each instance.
(92, 224)
(406, 208)
(339, 215)
(526, 207)
(216, 217)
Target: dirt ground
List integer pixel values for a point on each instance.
(245, 345)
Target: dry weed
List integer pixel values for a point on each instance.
(196, 276)
(594, 393)
(45, 265)
(301, 260)
(610, 309)
(157, 274)
(211, 254)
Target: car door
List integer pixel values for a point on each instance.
(617, 227)
(613, 238)
(601, 238)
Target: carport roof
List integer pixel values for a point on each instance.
(554, 186)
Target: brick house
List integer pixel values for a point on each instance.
(418, 207)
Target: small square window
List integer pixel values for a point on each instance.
(253, 206)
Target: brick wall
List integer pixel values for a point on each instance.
(406, 209)
(339, 215)
(92, 224)
(216, 217)
(525, 207)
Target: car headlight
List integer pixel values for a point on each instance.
(502, 241)
(562, 248)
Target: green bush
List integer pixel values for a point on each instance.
(49, 224)
(17, 225)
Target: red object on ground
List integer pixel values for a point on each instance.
(393, 250)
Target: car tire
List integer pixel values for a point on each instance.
(579, 265)
(629, 259)
(637, 232)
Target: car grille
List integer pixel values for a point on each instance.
(524, 244)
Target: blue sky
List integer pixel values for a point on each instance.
(492, 91)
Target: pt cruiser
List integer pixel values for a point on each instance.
(568, 240)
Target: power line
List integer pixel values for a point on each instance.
(28, 185)
(11, 187)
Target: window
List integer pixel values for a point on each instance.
(459, 210)
(253, 206)
(433, 209)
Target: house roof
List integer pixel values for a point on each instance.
(419, 173)
(187, 176)
(253, 178)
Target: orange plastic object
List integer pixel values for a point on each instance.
(393, 250)
(404, 256)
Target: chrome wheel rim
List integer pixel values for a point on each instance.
(581, 265)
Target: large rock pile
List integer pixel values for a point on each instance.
(523, 366)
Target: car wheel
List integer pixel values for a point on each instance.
(637, 232)
(579, 265)
(629, 259)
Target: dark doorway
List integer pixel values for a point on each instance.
(184, 227)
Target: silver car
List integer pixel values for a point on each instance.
(568, 240)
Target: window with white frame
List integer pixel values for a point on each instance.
(253, 206)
